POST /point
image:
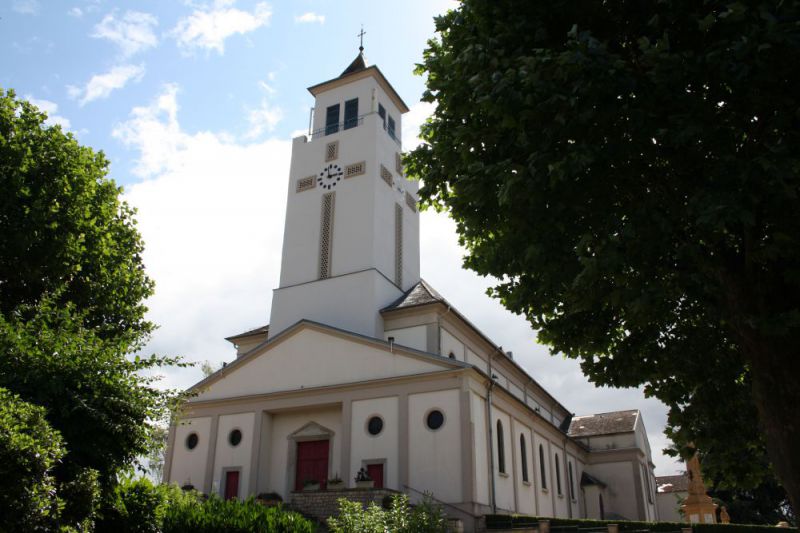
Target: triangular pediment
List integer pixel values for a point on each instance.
(310, 355)
(312, 429)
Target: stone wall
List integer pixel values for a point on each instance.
(322, 504)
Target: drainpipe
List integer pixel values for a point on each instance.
(492, 383)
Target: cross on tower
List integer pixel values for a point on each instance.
(361, 36)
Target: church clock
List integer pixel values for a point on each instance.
(330, 176)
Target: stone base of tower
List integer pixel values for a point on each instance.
(700, 510)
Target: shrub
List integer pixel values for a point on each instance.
(565, 525)
(136, 506)
(29, 449)
(427, 517)
(215, 515)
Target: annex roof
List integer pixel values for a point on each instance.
(603, 423)
(677, 483)
(263, 330)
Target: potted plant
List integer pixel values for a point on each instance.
(270, 499)
(363, 481)
(335, 483)
(310, 484)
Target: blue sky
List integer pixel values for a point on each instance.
(195, 104)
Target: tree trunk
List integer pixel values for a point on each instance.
(775, 372)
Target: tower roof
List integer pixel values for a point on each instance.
(359, 63)
(356, 70)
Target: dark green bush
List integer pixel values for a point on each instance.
(401, 517)
(29, 449)
(567, 525)
(215, 515)
(136, 506)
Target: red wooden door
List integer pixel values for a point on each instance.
(312, 463)
(231, 484)
(376, 473)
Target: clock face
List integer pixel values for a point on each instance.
(330, 176)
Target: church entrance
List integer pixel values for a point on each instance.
(312, 463)
(375, 472)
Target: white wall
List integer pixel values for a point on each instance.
(283, 425)
(435, 456)
(668, 504)
(558, 472)
(475, 359)
(478, 410)
(414, 337)
(619, 477)
(229, 456)
(450, 344)
(189, 466)
(384, 446)
(526, 491)
(573, 486)
(543, 494)
(313, 358)
(504, 483)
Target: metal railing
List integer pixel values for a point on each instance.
(330, 129)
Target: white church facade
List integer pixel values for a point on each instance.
(364, 365)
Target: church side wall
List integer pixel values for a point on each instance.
(188, 467)
(382, 448)
(620, 478)
(435, 456)
(233, 457)
(480, 445)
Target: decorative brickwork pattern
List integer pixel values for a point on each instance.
(411, 202)
(356, 169)
(398, 245)
(304, 184)
(387, 176)
(326, 235)
(331, 151)
(323, 504)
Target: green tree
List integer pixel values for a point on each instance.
(630, 175)
(29, 450)
(72, 287)
(63, 227)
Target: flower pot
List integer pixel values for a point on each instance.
(365, 484)
(335, 486)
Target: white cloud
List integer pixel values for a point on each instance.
(266, 116)
(133, 32)
(310, 18)
(26, 7)
(211, 212)
(75, 12)
(416, 116)
(102, 85)
(51, 108)
(208, 27)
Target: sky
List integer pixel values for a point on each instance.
(195, 104)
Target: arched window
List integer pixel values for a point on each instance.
(542, 470)
(523, 450)
(571, 483)
(558, 476)
(501, 451)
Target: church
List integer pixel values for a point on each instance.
(364, 367)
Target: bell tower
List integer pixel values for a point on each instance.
(351, 239)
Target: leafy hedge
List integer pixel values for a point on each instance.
(139, 506)
(560, 525)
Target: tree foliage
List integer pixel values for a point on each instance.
(630, 175)
(72, 289)
(63, 227)
(29, 450)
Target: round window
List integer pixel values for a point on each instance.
(235, 437)
(435, 419)
(375, 425)
(191, 441)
